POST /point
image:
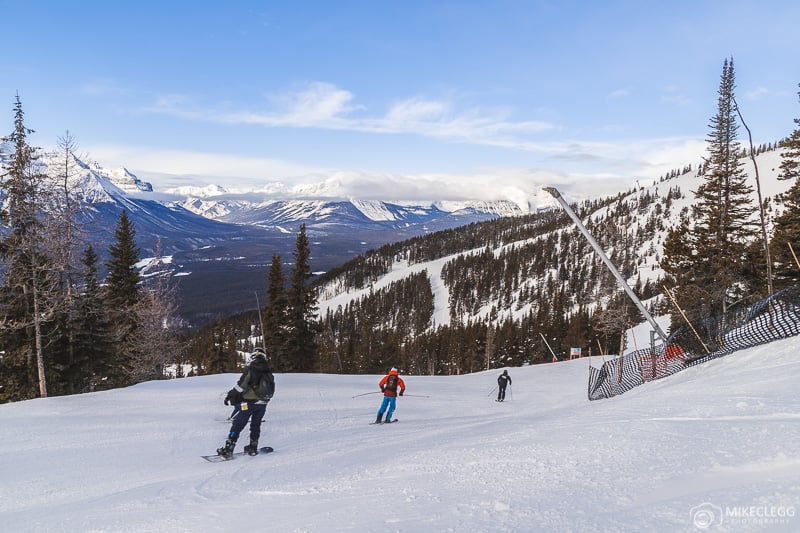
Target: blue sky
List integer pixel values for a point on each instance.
(412, 98)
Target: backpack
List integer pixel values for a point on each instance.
(265, 387)
(391, 383)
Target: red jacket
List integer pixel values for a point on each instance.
(387, 391)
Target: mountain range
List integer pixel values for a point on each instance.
(220, 243)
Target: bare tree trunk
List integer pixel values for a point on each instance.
(760, 203)
(489, 345)
(37, 327)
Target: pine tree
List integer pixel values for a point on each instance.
(790, 157)
(723, 216)
(301, 310)
(786, 230)
(122, 296)
(275, 315)
(29, 284)
(94, 348)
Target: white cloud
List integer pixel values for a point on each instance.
(619, 93)
(595, 169)
(175, 166)
(756, 93)
(672, 95)
(415, 110)
(325, 106)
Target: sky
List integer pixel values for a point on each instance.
(713, 448)
(445, 99)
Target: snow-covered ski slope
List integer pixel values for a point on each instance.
(717, 441)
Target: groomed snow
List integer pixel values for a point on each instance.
(722, 438)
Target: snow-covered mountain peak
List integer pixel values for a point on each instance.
(123, 178)
(373, 209)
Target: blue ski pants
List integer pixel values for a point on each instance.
(391, 403)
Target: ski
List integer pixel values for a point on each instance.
(219, 459)
(382, 423)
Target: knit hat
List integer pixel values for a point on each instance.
(393, 370)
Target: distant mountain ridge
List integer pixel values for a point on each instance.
(221, 247)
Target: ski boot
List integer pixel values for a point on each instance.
(227, 450)
(252, 448)
(379, 419)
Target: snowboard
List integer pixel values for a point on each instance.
(219, 459)
(382, 423)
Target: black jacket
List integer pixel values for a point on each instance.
(251, 377)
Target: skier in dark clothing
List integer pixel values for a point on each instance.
(502, 381)
(252, 393)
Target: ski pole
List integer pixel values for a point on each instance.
(416, 395)
(373, 392)
(492, 391)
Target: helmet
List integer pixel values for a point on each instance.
(258, 352)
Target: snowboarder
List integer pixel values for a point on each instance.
(389, 385)
(252, 392)
(502, 381)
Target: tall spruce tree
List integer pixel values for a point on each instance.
(790, 157)
(29, 284)
(786, 231)
(723, 217)
(122, 296)
(94, 348)
(275, 315)
(301, 300)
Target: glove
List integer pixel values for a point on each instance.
(233, 397)
(382, 388)
(401, 392)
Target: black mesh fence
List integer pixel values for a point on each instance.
(773, 318)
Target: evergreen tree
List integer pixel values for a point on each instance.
(300, 346)
(275, 315)
(122, 295)
(790, 157)
(94, 349)
(29, 283)
(786, 230)
(723, 215)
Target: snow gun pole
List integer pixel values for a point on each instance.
(675, 303)
(373, 392)
(793, 254)
(260, 322)
(555, 359)
(622, 283)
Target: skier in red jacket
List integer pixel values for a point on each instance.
(389, 385)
